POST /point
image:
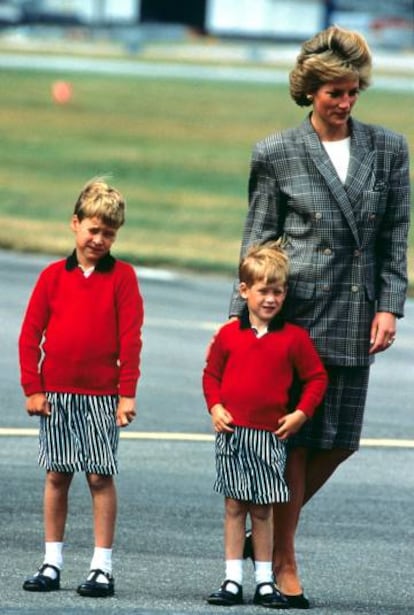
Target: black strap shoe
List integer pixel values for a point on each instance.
(97, 589)
(272, 599)
(224, 597)
(40, 582)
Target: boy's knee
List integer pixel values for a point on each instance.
(235, 508)
(99, 482)
(58, 480)
(261, 514)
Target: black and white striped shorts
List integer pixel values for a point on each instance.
(250, 466)
(80, 435)
(338, 421)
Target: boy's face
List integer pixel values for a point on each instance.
(263, 300)
(93, 239)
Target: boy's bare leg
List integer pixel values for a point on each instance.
(55, 505)
(262, 531)
(235, 513)
(104, 502)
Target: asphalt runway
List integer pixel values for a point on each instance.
(355, 539)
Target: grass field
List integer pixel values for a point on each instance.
(178, 150)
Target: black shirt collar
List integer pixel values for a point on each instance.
(275, 324)
(106, 263)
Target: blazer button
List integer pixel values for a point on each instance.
(318, 215)
(357, 253)
(327, 252)
(354, 288)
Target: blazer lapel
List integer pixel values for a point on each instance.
(360, 164)
(320, 158)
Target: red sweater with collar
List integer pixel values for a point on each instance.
(82, 334)
(251, 376)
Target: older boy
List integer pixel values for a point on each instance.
(79, 347)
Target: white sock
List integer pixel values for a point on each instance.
(102, 560)
(54, 557)
(234, 572)
(263, 574)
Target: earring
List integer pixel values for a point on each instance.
(309, 97)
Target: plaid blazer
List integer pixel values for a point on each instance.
(347, 244)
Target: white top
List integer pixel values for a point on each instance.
(339, 153)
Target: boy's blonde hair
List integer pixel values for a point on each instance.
(266, 263)
(98, 199)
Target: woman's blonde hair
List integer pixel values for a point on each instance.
(334, 53)
(98, 199)
(267, 262)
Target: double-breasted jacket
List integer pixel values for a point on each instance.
(347, 243)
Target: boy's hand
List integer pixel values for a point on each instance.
(221, 419)
(37, 405)
(290, 424)
(125, 413)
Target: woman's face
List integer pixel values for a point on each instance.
(332, 105)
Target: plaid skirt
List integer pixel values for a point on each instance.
(250, 466)
(80, 435)
(337, 423)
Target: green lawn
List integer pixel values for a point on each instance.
(178, 150)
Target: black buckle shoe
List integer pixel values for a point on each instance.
(273, 599)
(224, 597)
(97, 589)
(40, 582)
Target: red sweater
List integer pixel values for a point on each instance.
(83, 334)
(251, 376)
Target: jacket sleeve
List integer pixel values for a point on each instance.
(392, 279)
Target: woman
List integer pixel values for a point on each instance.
(337, 191)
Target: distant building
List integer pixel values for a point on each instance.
(384, 22)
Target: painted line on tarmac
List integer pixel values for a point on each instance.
(197, 437)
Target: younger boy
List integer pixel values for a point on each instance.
(79, 349)
(246, 381)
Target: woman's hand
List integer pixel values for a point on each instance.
(383, 330)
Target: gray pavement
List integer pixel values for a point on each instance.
(355, 539)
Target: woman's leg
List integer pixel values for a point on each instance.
(104, 502)
(55, 505)
(320, 466)
(306, 472)
(285, 521)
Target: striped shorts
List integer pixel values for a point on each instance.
(250, 466)
(337, 423)
(80, 435)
